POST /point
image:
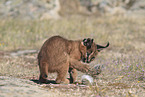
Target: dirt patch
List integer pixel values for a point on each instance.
(119, 85)
(18, 87)
(10, 86)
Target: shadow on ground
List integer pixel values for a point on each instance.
(48, 81)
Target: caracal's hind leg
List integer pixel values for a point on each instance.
(43, 67)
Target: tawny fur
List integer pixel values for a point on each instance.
(61, 56)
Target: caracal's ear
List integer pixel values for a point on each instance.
(99, 47)
(88, 42)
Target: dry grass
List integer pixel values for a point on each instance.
(123, 73)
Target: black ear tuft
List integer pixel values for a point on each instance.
(88, 42)
(99, 47)
(85, 42)
(92, 40)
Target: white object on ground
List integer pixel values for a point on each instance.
(86, 79)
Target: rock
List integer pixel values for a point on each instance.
(140, 4)
(53, 9)
(69, 7)
(52, 14)
(18, 87)
(113, 7)
(29, 9)
(117, 11)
